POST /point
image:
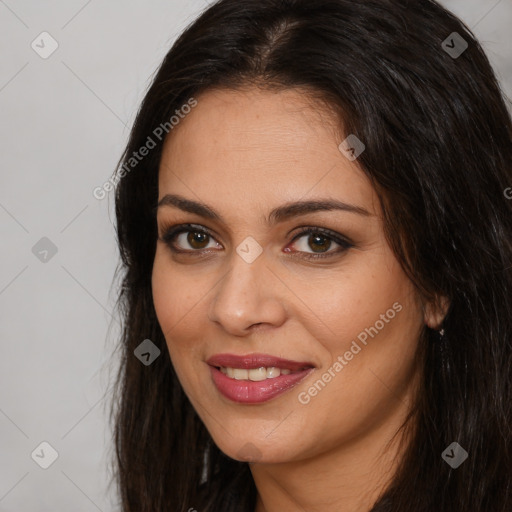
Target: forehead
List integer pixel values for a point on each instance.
(259, 146)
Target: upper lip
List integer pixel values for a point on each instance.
(251, 361)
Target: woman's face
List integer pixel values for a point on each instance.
(238, 303)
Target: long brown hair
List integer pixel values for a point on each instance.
(438, 139)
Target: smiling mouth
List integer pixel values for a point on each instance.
(257, 374)
(255, 378)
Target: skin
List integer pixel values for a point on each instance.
(244, 153)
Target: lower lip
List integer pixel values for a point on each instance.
(255, 392)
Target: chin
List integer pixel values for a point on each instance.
(263, 451)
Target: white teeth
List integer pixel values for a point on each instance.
(240, 374)
(273, 372)
(254, 374)
(258, 373)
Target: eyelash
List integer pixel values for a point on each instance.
(170, 234)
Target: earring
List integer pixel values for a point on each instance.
(441, 333)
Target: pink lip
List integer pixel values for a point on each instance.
(255, 361)
(252, 392)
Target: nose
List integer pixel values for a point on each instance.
(248, 296)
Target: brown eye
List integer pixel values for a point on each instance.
(187, 238)
(319, 241)
(197, 239)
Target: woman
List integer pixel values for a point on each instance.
(316, 255)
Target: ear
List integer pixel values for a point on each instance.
(435, 312)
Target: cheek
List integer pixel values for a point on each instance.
(178, 297)
(360, 386)
(176, 306)
(369, 342)
(371, 321)
(337, 306)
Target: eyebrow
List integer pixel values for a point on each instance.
(279, 214)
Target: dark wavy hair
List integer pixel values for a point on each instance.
(438, 139)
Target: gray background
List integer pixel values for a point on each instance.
(65, 120)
